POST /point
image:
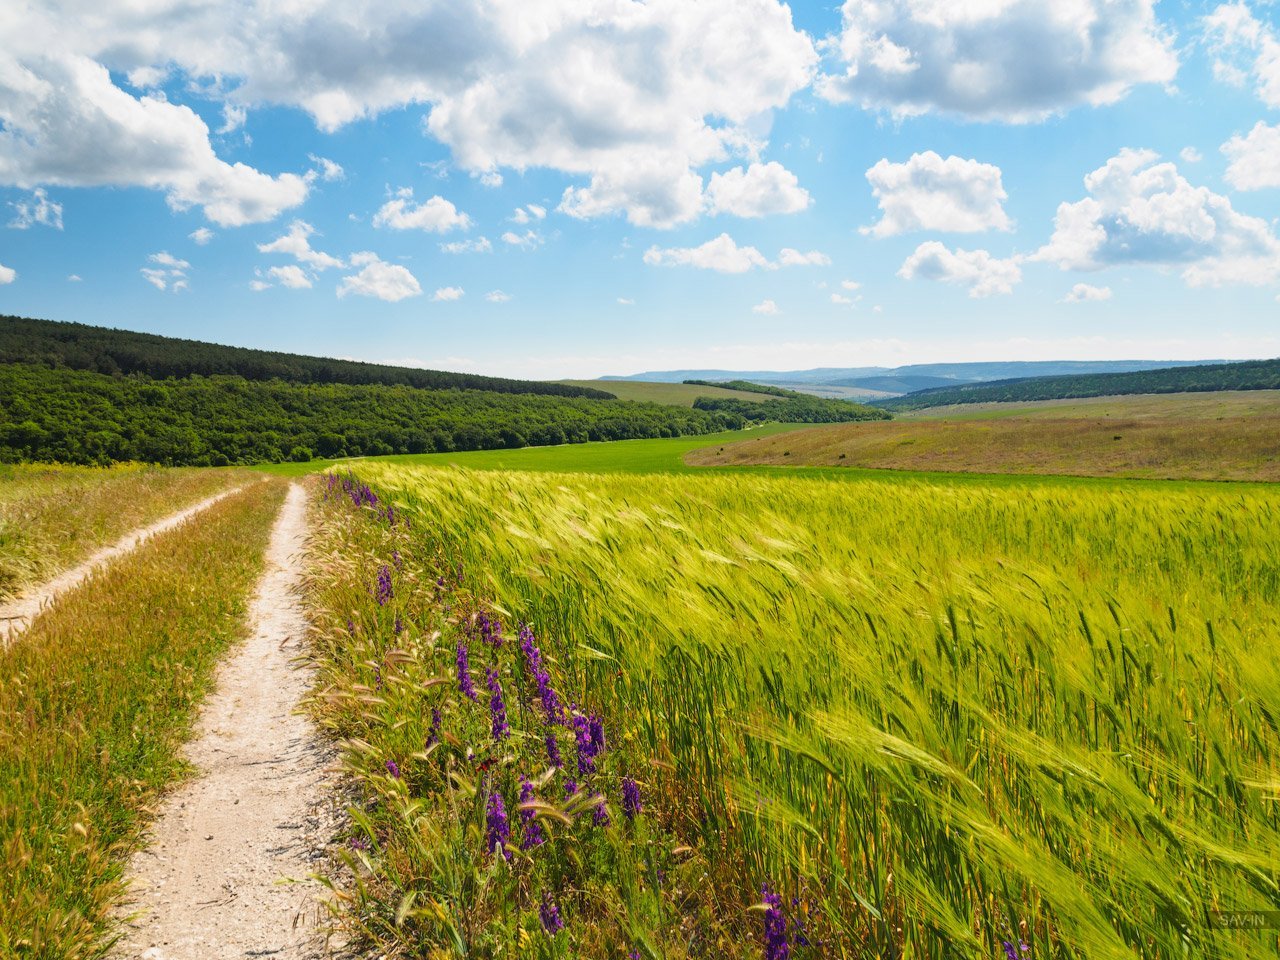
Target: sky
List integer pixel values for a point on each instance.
(577, 188)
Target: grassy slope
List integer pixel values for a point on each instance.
(89, 732)
(675, 394)
(53, 517)
(1192, 436)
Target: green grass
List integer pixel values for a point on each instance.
(95, 700)
(675, 394)
(941, 715)
(51, 517)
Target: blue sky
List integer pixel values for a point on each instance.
(601, 187)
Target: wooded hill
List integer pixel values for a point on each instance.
(1243, 375)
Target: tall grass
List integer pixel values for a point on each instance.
(52, 517)
(945, 718)
(94, 703)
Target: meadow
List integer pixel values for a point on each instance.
(678, 394)
(1208, 436)
(897, 718)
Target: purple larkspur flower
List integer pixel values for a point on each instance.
(553, 751)
(385, 592)
(398, 626)
(498, 829)
(776, 946)
(490, 629)
(600, 817)
(1011, 953)
(549, 914)
(532, 655)
(358, 843)
(570, 788)
(497, 709)
(630, 798)
(533, 833)
(396, 560)
(596, 726)
(351, 627)
(464, 673)
(393, 768)
(588, 734)
(433, 731)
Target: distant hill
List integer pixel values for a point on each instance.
(1242, 375)
(76, 346)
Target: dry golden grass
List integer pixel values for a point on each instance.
(1187, 437)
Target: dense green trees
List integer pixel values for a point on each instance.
(100, 350)
(74, 416)
(1244, 375)
(792, 408)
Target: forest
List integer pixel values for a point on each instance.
(793, 408)
(1242, 375)
(74, 416)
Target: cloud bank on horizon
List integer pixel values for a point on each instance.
(339, 160)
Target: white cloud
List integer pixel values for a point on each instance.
(39, 209)
(497, 296)
(478, 245)
(626, 301)
(721, 254)
(327, 169)
(74, 278)
(7, 274)
(1244, 47)
(929, 193)
(724, 255)
(445, 294)
(201, 235)
(1140, 211)
(257, 286)
(527, 213)
(297, 244)
(1011, 60)
(170, 272)
(1190, 155)
(850, 284)
(767, 307)
(794, 258)
(385, 281)
(233, 118)
(1255, 158)
(841, 299)
(291, 276)
(1082, 292)
(490, 178)
(756, 191)
(984, 274)
(436, 215)
(166, 259)
(528, 240)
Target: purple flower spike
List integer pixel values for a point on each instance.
(499, 830)
(630, 798)
(601, 816)
(497, 709)
(398, 626)
(553, 751)
(385, 592)
(549, 914)
(533, 833)
(570, 788)
(775, 927)
(433, 732)
(464, 673)
(394, 769)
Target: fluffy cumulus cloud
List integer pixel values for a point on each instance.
(1244, 47)
(1010, 60)
(632, 98)
(725, 256)
(436, 215)
(758, 190)
(1141, 211)
(982, 273)
(1083, 292)
(929, 193)
(201, 235)
(297, 244)
(291, 276)
(376, 278)
(38, 209)
(446, 294)
(169, 273)
(1255, 158)
(478, 245)
(497, 296)
(528, 213)
(767, 307)
(7, 274)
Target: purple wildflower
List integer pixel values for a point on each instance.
(396, 560)
(358, 843)
(351, 627)
(570, 788)
(596, 725)
(1011, 953)
(549, 913)
(630, 798)
(433, 732)
(464, 673)
(497, 709)
(398, 626)
(601, 816)
(553, 751)
(775, 927)
(499, 830)
(589, 735)
(394, 769)
(533, 833)
(532, 655)
(385, 592)
(550, 699)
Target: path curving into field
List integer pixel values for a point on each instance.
(17, 614)
(213, 881)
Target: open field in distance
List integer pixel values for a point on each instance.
(1216, 436)
(673, 394)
